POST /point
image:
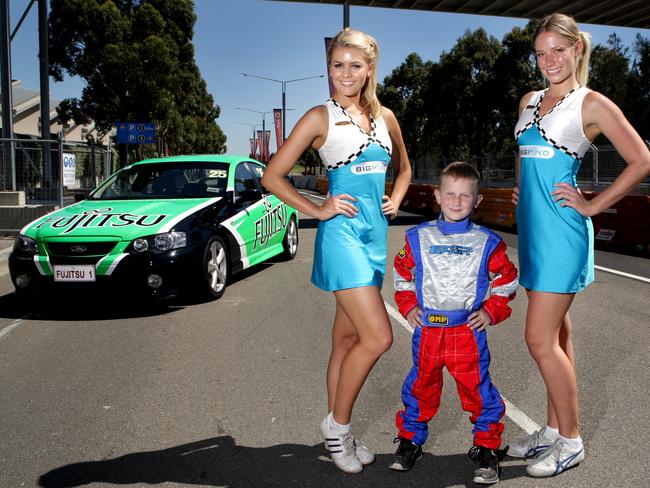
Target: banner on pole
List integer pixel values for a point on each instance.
(253, 147)
(267, 141)
(277, 118)
(260, 146)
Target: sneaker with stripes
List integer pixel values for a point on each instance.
(558, 458)
(341, 447)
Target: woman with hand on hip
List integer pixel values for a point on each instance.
(555, 129)
(357, 139)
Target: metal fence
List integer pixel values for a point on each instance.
(599, 168)
(71, 166)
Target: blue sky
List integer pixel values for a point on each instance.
(285, 40)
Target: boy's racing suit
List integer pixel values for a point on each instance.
(445, 268)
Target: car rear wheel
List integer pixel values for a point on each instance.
(216, 268)
(290, 241)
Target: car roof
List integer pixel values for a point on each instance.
(210, 158)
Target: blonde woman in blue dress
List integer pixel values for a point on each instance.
(554, 131)
(357, 139)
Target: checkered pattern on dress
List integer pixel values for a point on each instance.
(372, 138)
(537, 119)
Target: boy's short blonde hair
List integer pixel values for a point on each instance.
(461, 169)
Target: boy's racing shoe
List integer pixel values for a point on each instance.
(365, 455)
(530, 446)
(558, 458)
(487, 465)
(406, 455)
(341, 448)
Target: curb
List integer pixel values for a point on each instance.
(4, 254)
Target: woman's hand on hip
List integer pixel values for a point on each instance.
(515, 195)
(388, 207)
(338, 205)
(571, 197)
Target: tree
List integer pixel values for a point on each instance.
(137, 59)
(402, 92)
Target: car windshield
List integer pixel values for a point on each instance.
(165, 180)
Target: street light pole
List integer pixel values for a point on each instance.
(254, 148)
(264, 114)
(284, 95)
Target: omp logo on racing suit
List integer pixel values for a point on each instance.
(438, 319)
(272, 222)
(370, 167)
(101, 218)
(541, 152)
(461, 250)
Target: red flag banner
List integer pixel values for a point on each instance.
(260, 145)
(251, 141)
(329, 79)
(267, 140)
(277, 118)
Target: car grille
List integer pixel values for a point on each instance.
(80, 249)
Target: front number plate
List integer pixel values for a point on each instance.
(74, 273)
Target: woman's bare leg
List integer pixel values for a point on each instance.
(566, 343)
(545, 319)
(344, 337)
(364, 308)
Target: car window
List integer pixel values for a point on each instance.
(166, 180)
(244, 179)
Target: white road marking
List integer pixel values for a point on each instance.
(517, 416)
(10, 327)
(621, 273)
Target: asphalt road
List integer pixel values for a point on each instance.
(98, 391)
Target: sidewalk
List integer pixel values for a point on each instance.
(6, 244)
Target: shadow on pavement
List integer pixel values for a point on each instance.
(220, 462)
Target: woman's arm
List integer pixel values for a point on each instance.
(601, 116)
(515, 191)
(310, 131)
(400, 162)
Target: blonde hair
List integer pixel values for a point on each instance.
(368, 46)
(566, 26)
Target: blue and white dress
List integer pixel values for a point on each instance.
(351, 251)
(555, 243)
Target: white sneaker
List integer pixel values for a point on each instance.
(365, 455)
(341, 448)
(558, 458)
(530, 446)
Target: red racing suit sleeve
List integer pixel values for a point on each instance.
(404, 281)
(503, 285)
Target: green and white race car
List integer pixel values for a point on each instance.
(160, 226)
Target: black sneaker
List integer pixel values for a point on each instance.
(405, 455)
(487, 465)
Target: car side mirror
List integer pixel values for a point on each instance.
(80, 196)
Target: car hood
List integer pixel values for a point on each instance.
(115, 219)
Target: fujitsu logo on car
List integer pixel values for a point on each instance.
(369, 167)
(541, 152)
(101, 218)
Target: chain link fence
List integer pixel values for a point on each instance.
(52, 170)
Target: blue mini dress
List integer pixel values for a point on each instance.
(555, 243)
(350, 252)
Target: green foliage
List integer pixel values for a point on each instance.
(137, 59)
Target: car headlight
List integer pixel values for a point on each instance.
(170, 240)
(25, 245)
(140, 245)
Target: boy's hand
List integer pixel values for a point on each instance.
(414, 317)
(479, 320)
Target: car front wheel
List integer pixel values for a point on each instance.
(216, 268)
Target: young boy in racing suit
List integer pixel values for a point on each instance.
(452, 279)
